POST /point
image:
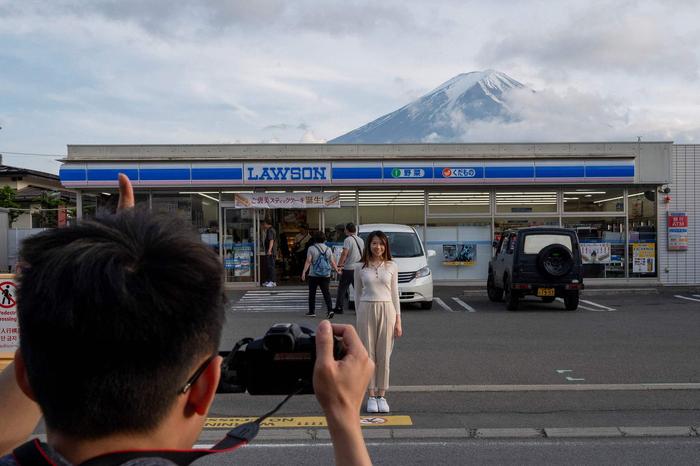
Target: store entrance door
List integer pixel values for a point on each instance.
(294, 228)
(238, 249)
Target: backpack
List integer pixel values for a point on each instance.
(321, 267)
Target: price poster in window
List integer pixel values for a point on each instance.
(643, 257)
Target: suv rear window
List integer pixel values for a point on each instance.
(535, 243)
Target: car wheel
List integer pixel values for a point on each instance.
(555, 260)
(495, 294)
(426, 305)
(548, 299)
(511, 296)
(571, 300)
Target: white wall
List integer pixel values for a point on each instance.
(682, 267)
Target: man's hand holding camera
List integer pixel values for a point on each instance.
(340, 388)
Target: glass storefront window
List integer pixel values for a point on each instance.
(463, 248)
(594, 200)
(502, 224)
(201, 209)
(643, 240)
(459, 203)
(336, 219)
(602, 242)
(513, 202)
(93, 202)
(229, 196)
(238, 245)
(403, 207)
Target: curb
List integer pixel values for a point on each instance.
(463, 433)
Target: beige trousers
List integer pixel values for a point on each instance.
(375, 325)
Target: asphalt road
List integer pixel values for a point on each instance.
(625, 359)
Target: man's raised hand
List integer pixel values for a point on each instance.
(126, 193)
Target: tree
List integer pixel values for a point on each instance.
(48, 215)
(7, 200)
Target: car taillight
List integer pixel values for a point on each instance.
(521, 286)
(573, 286)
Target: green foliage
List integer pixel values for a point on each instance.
(48, 216)
(7, 200)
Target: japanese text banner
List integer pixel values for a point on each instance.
(287, 201)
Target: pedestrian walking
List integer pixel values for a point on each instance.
(378, 313)
(269, 245)
(350, 258)
(319, 263)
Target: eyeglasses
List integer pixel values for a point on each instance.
(200, 370)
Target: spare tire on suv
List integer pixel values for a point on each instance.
(555, 260)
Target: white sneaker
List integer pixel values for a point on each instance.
(382, 405)
(269, 285)
(372, 405)
(273, 284)
(266, 284)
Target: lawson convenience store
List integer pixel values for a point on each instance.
(460, 197)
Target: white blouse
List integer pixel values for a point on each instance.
(378, 284)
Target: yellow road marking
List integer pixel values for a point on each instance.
(304, 421)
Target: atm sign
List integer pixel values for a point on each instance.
(678, 221)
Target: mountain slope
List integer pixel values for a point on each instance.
(432, 117)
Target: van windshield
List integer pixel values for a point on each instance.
(401, 244)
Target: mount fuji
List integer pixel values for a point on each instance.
(475, 96)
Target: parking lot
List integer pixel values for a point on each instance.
(467, 346)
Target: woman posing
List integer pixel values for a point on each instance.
(378, 313)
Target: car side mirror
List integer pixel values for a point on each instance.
(431, 253)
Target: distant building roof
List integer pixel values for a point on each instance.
(7, 171)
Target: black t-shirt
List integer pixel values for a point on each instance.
(270, 235)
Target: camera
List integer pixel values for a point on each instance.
(280, 363)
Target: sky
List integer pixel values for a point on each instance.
(275, 71)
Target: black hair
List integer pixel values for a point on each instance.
(114, 315)
(351, 227)
(367, 253)
(318, 237)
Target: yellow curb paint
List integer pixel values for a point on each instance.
(305, 421)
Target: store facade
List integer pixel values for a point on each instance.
(459, 197)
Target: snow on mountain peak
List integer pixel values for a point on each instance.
(488, 79)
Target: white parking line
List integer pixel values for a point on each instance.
(689, 299)
(442, 304)
(596, 304)
(561, 300)
(464, 305)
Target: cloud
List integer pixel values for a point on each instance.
(573, 115)
(195, 18)
(633, 37)
(310, 138)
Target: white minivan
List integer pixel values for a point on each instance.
(407, 250)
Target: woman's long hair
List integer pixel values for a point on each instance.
(366, 254)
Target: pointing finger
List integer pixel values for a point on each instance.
(126, 193)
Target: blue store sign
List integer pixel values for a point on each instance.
(349, 173)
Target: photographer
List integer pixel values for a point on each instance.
(120, 322)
